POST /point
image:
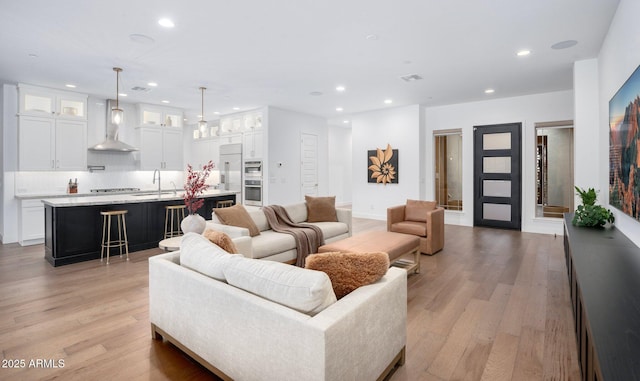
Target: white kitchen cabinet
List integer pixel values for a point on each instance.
(45, 102)
(151, 115)
(230, 139)
(46, 143)
(31, 222)
(52, 129)
(161, 148)
(252, 144)
(204, 150)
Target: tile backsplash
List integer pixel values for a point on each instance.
(27, 183)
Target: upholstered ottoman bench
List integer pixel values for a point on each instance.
(395, 245)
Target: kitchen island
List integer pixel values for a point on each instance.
(73, 225)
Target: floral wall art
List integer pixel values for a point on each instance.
(383, 166)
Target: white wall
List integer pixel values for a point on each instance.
(284, 134)
(399, 127)
(527, 110)
(618, 58)
(340, 169)
(9, 232)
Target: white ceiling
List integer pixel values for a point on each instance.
(251, 53)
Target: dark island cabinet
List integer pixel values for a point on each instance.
(603, 268)
(74, 233)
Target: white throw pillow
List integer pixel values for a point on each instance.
(199, 254)
(307, 291)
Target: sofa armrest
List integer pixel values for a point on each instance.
(435, 226)
(244, 245)
(365, 329)
(394, 214)
(231, 231)
(344, 215)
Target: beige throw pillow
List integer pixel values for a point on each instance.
(416, 210)
(237, 216)
(321, 209)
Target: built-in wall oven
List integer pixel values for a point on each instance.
(253, 182)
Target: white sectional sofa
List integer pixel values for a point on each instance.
(281, 247)
(242, 336)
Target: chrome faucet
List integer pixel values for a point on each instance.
(154, 181)
(175, 190)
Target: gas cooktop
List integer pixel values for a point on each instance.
(114, 190)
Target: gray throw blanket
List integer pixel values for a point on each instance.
(308, 237)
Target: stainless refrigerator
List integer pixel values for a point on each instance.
(231, 168)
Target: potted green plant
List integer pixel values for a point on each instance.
(590, 214)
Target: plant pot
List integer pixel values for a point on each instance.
(193, 223)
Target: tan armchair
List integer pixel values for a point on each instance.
(421, 218)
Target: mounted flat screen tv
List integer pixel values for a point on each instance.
(624, 147)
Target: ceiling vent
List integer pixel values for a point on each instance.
(411, 77)
(142, 89)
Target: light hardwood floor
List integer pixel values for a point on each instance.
(493, 305)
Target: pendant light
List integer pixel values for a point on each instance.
(117, 115)
(202, 124)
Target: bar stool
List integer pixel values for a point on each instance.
(173, 213)
(224, 203)
(106, 231)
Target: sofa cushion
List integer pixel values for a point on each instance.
(306, 291)
(270, 242)
(410, 227)
(297, 212)
(259, 218)
(321, 209)
(237, 216)
(416, 210)
(348, 271)
(221, 239)
(199, 254)
(332, 229)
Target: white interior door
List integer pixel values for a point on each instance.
(309, 164)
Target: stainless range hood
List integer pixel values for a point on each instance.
(111, 142)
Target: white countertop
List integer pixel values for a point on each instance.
(124, 198)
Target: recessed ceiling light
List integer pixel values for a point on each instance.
(345, 121)
(122, 94)
(388, 101)
(167, 23)
(70, 86)
(152, 84)
(489, 91)
(165, 101)
(340, 88)
(523, 53)
(236, 108)
(372, 37)
(316, 93)
(564, 44)
(217, 112)
(339, 109)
